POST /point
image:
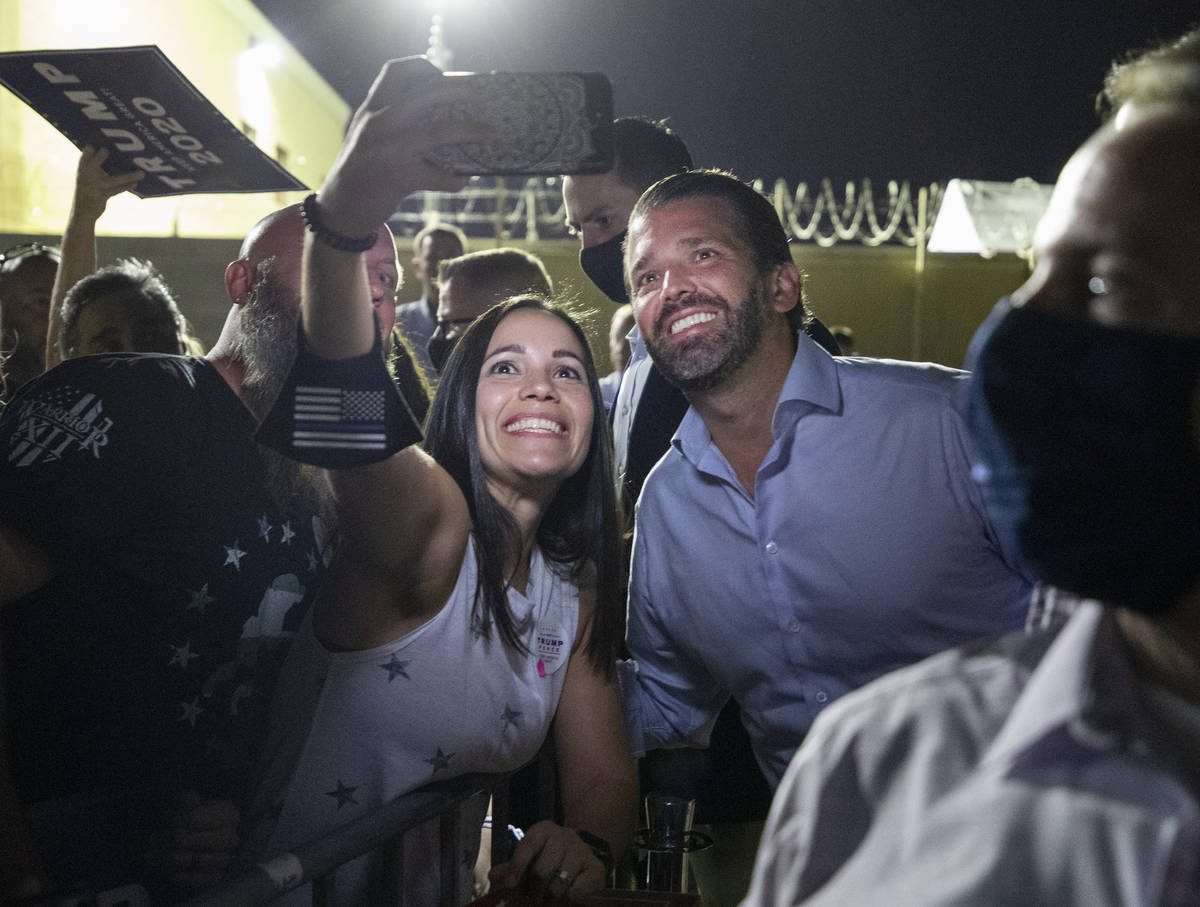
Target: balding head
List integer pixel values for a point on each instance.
(278, 236)
(285, 224)
(264, 286)
(1126, 216)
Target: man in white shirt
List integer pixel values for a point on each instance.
(1059, 767)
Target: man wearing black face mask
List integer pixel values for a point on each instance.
(1058, 767)
(471, 284)
(724, 779)
(647, 409)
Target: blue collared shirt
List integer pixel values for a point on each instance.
(864, 548)
(629, 391)
(417, 325)
(608, 388)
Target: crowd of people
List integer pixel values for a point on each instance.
(908, 634)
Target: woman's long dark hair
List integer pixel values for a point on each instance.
(579, 532)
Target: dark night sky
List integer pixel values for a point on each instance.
(917, 90)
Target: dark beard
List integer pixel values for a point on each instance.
(705, 362)
(267, 348)
(266, 340)
(300, 490)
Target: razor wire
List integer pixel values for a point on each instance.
(532, 209)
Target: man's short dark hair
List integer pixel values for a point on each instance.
(505, 271)
(645, 151)
(1168, 72)
(440, 230)
(127, 280)
(755, 220)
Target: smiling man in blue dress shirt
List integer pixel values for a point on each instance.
(814, 524)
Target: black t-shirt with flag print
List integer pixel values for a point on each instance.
(145, 665)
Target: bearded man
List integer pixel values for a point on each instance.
(814, 524)
(153, 561)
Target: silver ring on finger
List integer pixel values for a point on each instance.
(560, 884)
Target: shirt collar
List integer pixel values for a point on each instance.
(637, 346)
(1082, 700)
(811, 383)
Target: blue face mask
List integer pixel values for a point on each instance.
(1089, 438)
(604, 265)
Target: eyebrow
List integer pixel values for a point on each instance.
(511, 348)
(688, 242)
(593, 214)
(105, 334)
(517, 348)
(153, 322)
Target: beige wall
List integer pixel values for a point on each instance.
(874, 290)
(289, 107)
(878, 293)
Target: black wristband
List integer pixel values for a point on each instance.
(338, 413)
(312, 219)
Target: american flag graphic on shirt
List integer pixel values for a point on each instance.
(335, 418)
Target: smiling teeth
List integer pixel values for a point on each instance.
(546, 425)
(684, 323)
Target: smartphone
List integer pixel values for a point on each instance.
(546, 122)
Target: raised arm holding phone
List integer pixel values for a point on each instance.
(480, 572)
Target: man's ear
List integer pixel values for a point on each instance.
(785, 285)
(238, 280)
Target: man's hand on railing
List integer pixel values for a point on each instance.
(551, 860)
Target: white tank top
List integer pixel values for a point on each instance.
(353, 730)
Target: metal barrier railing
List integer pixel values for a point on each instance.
(377, 832)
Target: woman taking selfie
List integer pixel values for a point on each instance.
(473, 603)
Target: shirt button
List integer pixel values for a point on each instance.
(822, 696)
(625, 410)
(772, 549)
(794, 625)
